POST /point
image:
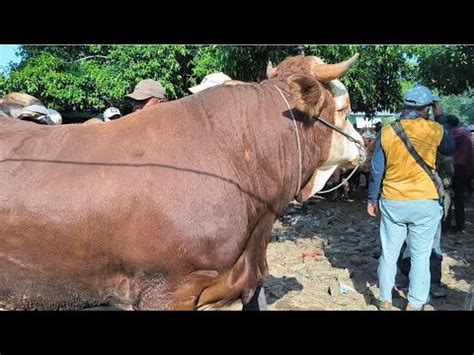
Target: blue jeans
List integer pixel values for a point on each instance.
(436, 259)
(417, 220)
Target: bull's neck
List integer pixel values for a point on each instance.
(313, 145)
(302, 127)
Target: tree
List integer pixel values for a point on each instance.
(376, 79)
(374, 83)
(2, 84)
(79, 78)
(449, 72)
(460, 105)
(246, 63)
(467, 110)
(450, 69)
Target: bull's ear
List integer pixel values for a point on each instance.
(307, 94)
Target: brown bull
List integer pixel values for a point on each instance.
(170, 208)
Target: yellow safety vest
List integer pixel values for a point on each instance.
(404, 178)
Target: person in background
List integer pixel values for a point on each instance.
(445, 168)
(112, 113)
(40, 114)
(462, 165)
(406, 197)
(147, 93)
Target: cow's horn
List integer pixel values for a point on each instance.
(270, 70)
(327, 72)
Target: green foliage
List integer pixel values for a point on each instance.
(166, 63)
(450, 69)
(246, 63)
(387, 120)
(78, 78)
(375, 81)
(2, 85)
(460, 105)
(467, 110)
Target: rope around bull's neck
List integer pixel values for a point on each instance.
(350, 138)
(298, 142)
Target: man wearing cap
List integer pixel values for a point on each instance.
(112, 113)
(146, 94)
(40, 114)
(406, 196)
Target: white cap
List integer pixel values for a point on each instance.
(111, 112)
(210, 81)
(38, 109)
(38, 114)
(55, 116)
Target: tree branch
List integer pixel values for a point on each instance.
(88, 57)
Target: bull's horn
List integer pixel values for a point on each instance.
(327, 72)
(270, 70)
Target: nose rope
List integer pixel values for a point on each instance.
(358, 144)
(326, 123)
(342, 183)
(360, 160)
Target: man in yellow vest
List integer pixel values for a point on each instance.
(405, 195)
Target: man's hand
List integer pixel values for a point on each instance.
(373, 209)
(437, 108)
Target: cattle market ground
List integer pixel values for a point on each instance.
(324, 256)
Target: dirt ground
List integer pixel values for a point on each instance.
(324, 256)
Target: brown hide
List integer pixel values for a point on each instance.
(166, 208)
(93, 121)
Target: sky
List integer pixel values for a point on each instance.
(7, 54)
